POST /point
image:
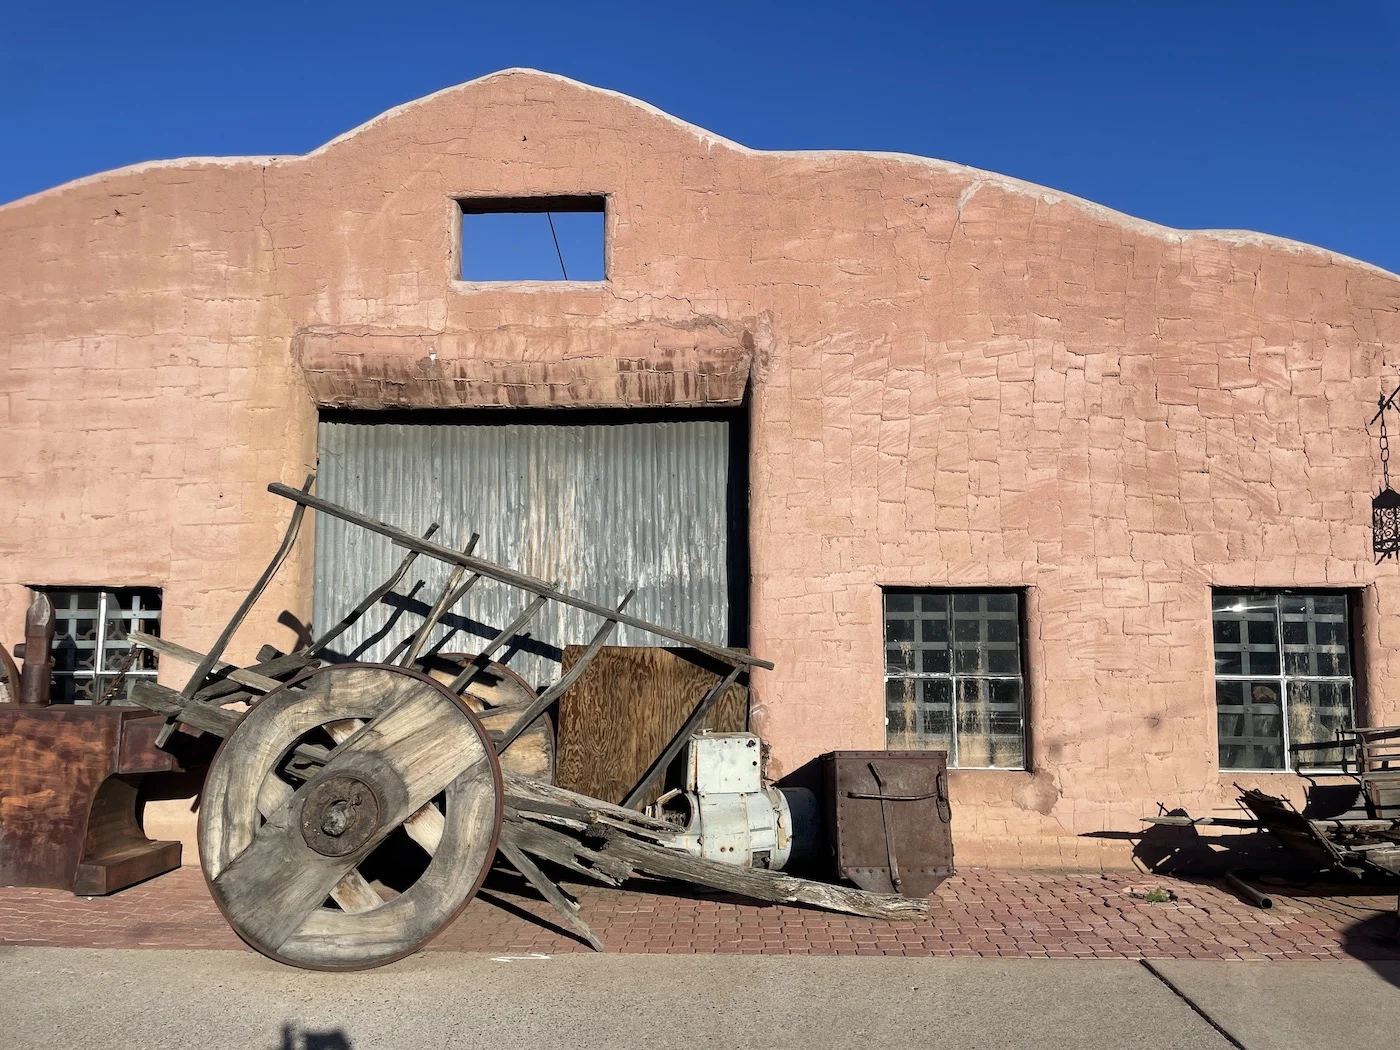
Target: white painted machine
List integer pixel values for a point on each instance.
(725, 813)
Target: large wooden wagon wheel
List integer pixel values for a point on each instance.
(304, 801)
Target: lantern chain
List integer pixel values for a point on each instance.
(1385, 449)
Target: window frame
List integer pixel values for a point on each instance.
(1283, 678)
(99, 674)
(955, 677)
(585, 202)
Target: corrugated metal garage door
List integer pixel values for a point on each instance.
(601, 507)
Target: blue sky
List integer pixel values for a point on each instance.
(1282, 117)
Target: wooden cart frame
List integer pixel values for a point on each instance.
(322, 768)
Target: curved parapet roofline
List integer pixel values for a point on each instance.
(977, 178)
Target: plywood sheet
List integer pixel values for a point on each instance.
(626, 706)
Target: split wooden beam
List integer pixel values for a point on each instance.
(226, 691)
(756, 883)
(562, 849)
(258, 682)
(566, 906)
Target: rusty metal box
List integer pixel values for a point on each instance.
(888, 819)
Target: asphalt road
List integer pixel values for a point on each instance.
(109, 999)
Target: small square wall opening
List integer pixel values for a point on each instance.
(533, 239)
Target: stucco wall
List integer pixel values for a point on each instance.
(956, 379)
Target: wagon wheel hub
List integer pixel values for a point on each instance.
(341, 814)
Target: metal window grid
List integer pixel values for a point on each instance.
(94, 656)
(960, 649)
(1269, 607)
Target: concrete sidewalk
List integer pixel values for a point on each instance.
(1295, 1006)
(112, 999)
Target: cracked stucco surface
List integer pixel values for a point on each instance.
(956, 379)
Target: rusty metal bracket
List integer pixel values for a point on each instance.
(886, 818)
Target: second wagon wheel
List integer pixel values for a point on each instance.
(497, 695)
(305, 800)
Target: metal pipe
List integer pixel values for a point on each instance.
(1247, 891)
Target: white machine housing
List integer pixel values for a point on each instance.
(725, 813)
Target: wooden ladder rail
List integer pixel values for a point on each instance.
(216, 652)
(557, 689)
(509, 576)
(370, 600)
(446, 600)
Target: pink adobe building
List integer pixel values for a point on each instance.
(1083, 499)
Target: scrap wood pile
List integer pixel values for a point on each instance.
(353, 810)
(1360, 839)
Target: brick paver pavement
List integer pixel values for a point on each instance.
(977, 912)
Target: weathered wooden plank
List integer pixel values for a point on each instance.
(227, 691)
(758, 883)
(563, 849)
(516, 579)
(527, 788)
(566, 906)
(176, 651)
(354, 894)
(208, 718)
(621, 713)
(652, 777)
(533, 753)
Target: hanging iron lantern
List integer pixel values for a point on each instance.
(1385, 524)
(1385, 507)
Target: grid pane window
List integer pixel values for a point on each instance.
(953, 679)
(92, 642)
(1283, 676)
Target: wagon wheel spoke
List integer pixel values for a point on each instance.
(291, 866)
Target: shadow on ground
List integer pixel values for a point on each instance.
(294, 1038)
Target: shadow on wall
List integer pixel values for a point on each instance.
(1210, 850)
(309, 1039)
(1186, 853)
